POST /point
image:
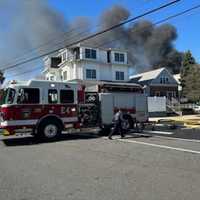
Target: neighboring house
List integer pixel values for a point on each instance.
(87, 63)
(159, 82)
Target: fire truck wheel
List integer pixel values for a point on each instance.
(139, 127)
(49, 130)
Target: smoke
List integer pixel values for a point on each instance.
(148, 46)
(35, 27)
(26, 24)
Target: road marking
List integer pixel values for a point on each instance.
(160, 132)
(181, 139)
(160, 146)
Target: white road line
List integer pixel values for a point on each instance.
(160, 146)
(181, 139)
(160, 132)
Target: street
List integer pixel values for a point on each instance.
(84, 167)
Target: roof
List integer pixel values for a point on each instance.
(148, 75)
(88, 45)
(178, 78)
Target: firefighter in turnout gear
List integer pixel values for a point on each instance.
(118, 119)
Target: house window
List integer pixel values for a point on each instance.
(119, 76)
(65, 75)
(90, 73)
(90, 53)
(53, 96)
(66, 96)
(164, 80)
(119, 57)
(28, 96)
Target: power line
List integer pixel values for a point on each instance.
(64, 34)
(154, 24)
(159, 22)
(25, 72)
(47, 43)
(93, 35)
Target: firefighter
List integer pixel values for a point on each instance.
(118, 119)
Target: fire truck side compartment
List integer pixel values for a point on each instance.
(124, 101)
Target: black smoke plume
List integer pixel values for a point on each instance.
(29, 24)
(148, 46)
(32, 27)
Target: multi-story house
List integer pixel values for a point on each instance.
(87, 63)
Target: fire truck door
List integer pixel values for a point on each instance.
(106, 101)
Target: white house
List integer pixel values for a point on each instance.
(87, 63)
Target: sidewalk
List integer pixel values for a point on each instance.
(190, 121)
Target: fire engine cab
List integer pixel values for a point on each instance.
(46, 108)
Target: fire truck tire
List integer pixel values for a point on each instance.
(49, 129)
(139, 127)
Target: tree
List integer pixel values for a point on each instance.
(187, 64)
(188, 59)
(192, 83)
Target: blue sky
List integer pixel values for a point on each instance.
(188, 26)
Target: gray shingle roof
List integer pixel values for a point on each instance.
(147, 75)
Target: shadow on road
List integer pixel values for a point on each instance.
(29, 140)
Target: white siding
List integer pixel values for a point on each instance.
(119, 69)
(103, 56)
(82, 53)
(79, 70)
(105, 72)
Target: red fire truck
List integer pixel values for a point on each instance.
(46, 108)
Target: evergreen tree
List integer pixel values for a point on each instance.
(192, 84)
(188, 62)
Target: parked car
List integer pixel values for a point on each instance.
(197, 109)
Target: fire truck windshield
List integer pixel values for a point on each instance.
(7, 96)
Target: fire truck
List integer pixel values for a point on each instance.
(47, 108)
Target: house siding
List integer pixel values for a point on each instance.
(164, 91)
(165, 73)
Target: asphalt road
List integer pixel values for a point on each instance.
(84, 167)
